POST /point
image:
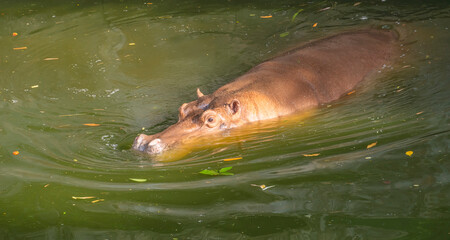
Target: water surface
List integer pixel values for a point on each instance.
(126, 67)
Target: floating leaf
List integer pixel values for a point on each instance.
(51, 59)
(311, 155)
(225, 169)
(356, 4)
(232, 159)
(372, 145)
(284, 34)
(138, 179)
(209, 172)
(227, 174)
(20, 48)
(82, 198)
(222, 171)
(98, 200)
(409, 153)
(91, 124)
(268, 16)
(35, 86)
(263, 187)
(295, 15)
(132, 44)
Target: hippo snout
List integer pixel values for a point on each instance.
(145, 143)
(155, 146)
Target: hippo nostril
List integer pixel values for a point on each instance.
(154, 142)
(141, 142)
(138, 141)
(141, 147)
(155, 146)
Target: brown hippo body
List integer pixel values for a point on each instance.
(315, 73)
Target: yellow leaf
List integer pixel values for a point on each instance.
(232, 159)
(20, 48)
(82, 198)
(372, 145)
(138, 179)
(311, 155)
(409, 153)
(98, 200)
(263, 187)
(50, 59)
(91, 124)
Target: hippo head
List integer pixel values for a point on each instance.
(199, 118)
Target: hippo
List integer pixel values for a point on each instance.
(305, 77)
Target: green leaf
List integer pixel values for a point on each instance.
(225, 169)
(227, 174)
(284, 34)
(138, 179)
(295, 15)
(222, 171)
(209, 172)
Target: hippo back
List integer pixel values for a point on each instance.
(329, 67)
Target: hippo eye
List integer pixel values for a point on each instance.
(211, 121)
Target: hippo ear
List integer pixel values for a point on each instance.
(182, 112)
(234, 106)
(199, 94)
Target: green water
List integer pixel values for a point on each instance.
(128, 66)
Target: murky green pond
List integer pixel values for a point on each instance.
(124, 68)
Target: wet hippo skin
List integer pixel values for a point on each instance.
(305, 77)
